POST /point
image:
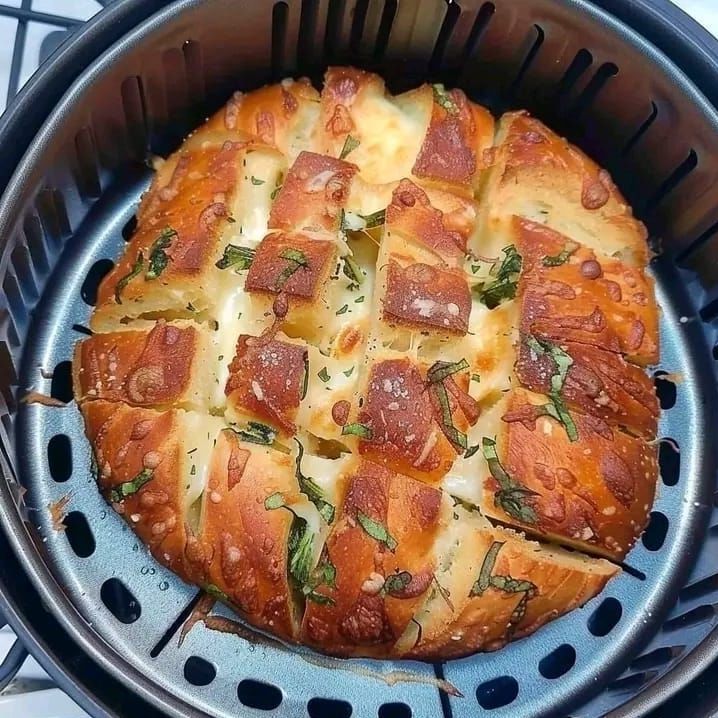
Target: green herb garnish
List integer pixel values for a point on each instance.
(446, 420)
(506, 279)
(158, 257)
(256, 181)
(511, 496)
(238, 257)
(124, 281)
(562, 362)
(442, 370)
(352, 271)
(274, 501)
(305, 380)
(296, 259)
(348, 372)
(121, 492)
(325, 574)
(256, 433)
(217, 593)
(314, 492)
(301, 540)
(466, 505)
(375, 219)
(562, 257)
(444, 99)
(324, 375)
(360, 430)
(395, 583)
(350, 144)
(342, 310)
(377, 531)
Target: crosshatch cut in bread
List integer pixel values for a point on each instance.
(371, 369)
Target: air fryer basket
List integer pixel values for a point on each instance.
(64, 216)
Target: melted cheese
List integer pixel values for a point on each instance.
(391, 132)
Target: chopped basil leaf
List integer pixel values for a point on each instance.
(561, 258)
(476, 378)
(256, 433)
(217, 593)
(471, 451)
(348, 372)
(466, 505)
(483, 582)
(446, 420)
(191, 307)
(324, 375)
(296, 260)
(274, 501)
(124, 281)
(360, 430)
(256, 180)
(442, 370)
(305, 381)
(325, 573)
(275, 191)
(342, 310)
(350, 144)
(121, 492)
(158, 257)
(396, 582)
(506, 279)
(511, 496)
(375, 219)
(563, 362)
(377, 531)
(238, 257)
(320, 598)
(352, 271)
(359, 300)
(300, 544)
(230, 219)
(193, 470)
(314, 492)
(444, 99)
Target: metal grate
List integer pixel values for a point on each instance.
(636, 626)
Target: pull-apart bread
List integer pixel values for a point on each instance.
(371, 369)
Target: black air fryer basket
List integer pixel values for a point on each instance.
(633, 82)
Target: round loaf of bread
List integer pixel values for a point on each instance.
(370, 364)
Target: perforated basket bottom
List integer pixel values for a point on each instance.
(137, 606)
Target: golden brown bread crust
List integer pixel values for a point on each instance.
(139, 460)
(266, 379)
(539, 175)
(412, 215)
(242, 545)
(570, 292)
(595, 493)
(404, 420)
(176, 240)
(294, 264)
(458, 134)
(387, 330)
(427, 297)
(277, 115)
(155, 367)
(514, 590)
(381, 548)
(313, 194)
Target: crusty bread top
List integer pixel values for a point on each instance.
(356, 336)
